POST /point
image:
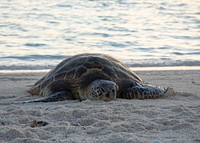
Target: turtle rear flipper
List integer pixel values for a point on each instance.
(146, 91)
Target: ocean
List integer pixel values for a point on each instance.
(37, 35)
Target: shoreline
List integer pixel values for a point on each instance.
(164, 68)
(172, 119)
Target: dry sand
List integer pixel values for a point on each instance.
(173, 119)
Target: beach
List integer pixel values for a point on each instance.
(171, 119)
(159, 40)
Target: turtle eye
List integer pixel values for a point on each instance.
(102, 89)
(113, 91)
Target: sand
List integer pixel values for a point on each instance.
(172, 119)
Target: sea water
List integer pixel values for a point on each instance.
(38, 34)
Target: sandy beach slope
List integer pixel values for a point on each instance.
(173, 119)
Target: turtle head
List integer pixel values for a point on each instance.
(103, 90)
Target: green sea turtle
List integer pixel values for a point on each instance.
(94, 77)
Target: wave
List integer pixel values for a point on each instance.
(35, 57)
(34, 44)
(165, 63)
(48, 63)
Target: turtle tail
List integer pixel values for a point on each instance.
(146, 91)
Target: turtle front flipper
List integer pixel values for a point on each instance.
(55, 97)
(146, 91)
